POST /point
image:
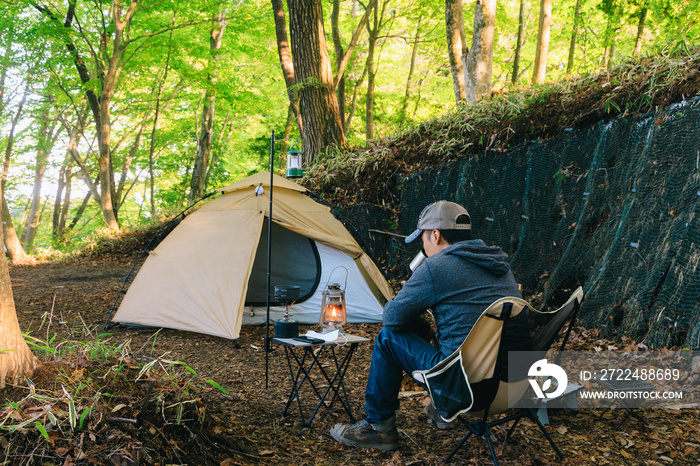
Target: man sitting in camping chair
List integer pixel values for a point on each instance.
(458, 280)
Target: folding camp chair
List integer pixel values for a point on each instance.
(474, 379)
(542, 342)
(471, 378)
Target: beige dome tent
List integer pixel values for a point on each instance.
(209, 275)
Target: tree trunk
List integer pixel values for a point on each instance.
(16, 360)
(7, 58)
(614, 13)
(574, 37)
(105, 162)
(640, 30)
(339, 54)
(12, 242)
(353, 102)
(151, 151)
(206, 134)
(66, 202)
(47, 139)
(86, 175)
(56, 218)
(542, 49)
(371, 75)
(152, 147)
(411, 70)
(323, 126)
(286, 60)
(79, 214)
(115, 64)
(421, 83)
(456, 45)
(479, 61)
(353, 42)
(62, 201)
(522, 18)
(122, 191)
(109, 61)
(143, 200)
(609, 50)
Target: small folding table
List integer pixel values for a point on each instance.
(625, 386)
(304, 358)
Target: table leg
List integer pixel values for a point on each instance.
(337, 382)
(296, 383)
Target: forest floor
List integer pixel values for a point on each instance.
(170, 397)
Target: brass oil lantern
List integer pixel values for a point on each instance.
(333, 315)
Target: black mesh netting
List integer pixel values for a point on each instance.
(369, 224)
(614, 208)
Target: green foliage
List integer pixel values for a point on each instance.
(167, 60)
(217, 386)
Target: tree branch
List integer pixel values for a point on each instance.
(353, 42)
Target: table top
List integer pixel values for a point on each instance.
(625, 385)
(345, 338)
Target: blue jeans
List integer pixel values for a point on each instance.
(394, 353)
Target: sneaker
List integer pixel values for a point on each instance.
(435, 418)
(363, 435)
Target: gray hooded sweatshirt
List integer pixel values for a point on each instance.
(457, 284)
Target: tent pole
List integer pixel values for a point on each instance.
(269, 253)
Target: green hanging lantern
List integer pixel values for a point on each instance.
(294, 169)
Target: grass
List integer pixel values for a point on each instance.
(88, 377)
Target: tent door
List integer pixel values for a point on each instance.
(295, 261)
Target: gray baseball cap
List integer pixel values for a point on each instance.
(441, 215)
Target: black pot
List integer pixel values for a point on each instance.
(286, 328)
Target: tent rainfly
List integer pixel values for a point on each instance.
(209, 275)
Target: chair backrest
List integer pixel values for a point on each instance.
(480, 350)
(544, 339)
(493, 391)
(467, 380)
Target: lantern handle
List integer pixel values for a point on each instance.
(293, 144)
(346, 276)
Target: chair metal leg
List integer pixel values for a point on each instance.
(487, 436)
(532, 414)
(459, 445)
(512, 429)
(481, 429)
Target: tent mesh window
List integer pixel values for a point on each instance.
(295, 261)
